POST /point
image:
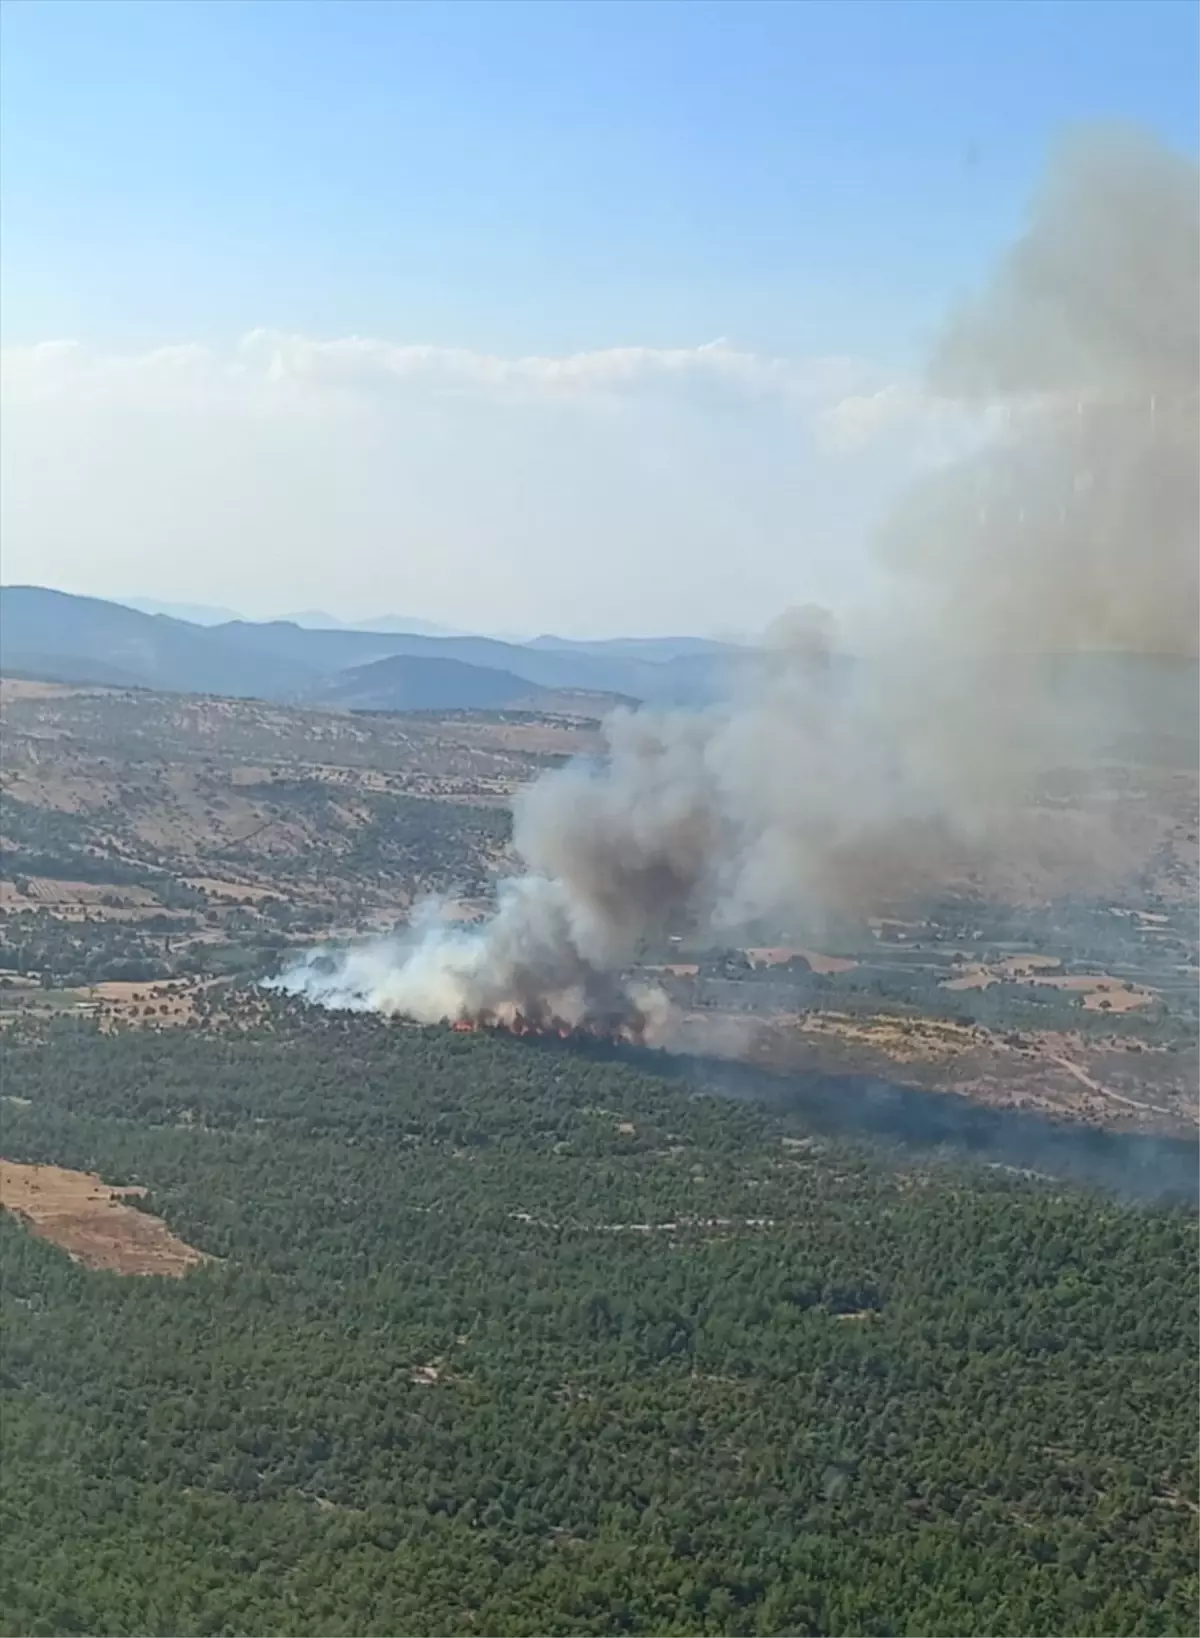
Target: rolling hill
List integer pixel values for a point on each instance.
(86, 639)
(93, 637)
(80, 639)
(412, 682)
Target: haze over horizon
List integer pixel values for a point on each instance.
(594, 320)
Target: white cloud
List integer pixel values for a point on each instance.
(629, 488)
(356, 360)
(275, 370)
(618, 489)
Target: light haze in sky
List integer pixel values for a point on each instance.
(592, 318)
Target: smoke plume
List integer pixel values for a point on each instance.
(821, 785)
(1076, 527)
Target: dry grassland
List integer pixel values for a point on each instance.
(92, 1222)
(1101, 993)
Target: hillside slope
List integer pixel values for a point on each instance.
(411, 682)
(73, 638)
(153, 649)
(329, 651)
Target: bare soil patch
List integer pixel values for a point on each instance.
(164, 1001)
(901, 1040)
(1110, 1083)
(1103, 994)
(50, 893)
(21, 688)
(1100, 991)
(91, 1221)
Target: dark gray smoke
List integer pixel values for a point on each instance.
(818, 787)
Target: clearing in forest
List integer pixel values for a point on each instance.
(91, 1221)
(1101, 993)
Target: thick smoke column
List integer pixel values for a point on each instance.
(823, 786)
(1077, 527)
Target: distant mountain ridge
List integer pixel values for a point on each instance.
(87, 639)
(639, 648)
(157, 650)
(197, 614)
(318, 620)
(91, 639)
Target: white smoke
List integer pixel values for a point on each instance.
(820, 786)
(524, 969)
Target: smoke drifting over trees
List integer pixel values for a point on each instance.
(819, 785)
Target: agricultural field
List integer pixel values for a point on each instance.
(94, 1224)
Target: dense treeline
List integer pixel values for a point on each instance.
(516, 1341)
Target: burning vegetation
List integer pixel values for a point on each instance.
(820, 787)
(544, 1028)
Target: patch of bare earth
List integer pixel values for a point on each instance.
(1114, 1083)
(91, 1221)
(22, 688)
(67, 897)
(1111, 1083)
(1100, 992)
(899, 1040)
(170, 1001)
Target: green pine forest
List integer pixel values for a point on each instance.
(501, 1339)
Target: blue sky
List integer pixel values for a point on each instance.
(809, 181)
